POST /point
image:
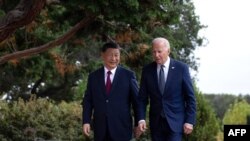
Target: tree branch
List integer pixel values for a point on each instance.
(23, 14)
(36, 50)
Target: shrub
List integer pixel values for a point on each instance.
(237, 113)
(40, 119)
(46, 120)
(207, 125)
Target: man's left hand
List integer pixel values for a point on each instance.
(188, 128)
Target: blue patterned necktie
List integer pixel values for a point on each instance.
(161, 82)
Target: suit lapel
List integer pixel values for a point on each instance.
(101, 79)
(171, 70)
(155, 76)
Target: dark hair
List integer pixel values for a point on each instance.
(110, 45)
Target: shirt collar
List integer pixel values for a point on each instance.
(112, 71)
(166, 64)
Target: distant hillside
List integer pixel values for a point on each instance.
(221, 102)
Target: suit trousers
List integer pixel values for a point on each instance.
(107, 134)
(164, 132)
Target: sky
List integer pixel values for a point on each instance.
(225, 60)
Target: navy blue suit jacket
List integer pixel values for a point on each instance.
(177, 102)
(114, 109)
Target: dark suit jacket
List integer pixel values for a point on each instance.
(178, 100)
(113, 110)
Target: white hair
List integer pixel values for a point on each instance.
(161, 40)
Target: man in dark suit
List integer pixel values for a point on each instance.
(111, 91)
(167, 83)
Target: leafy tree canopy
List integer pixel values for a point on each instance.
(48, 46)
(237, 113)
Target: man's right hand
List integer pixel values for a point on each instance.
(86, 129)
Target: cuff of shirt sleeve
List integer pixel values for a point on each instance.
(141, 121)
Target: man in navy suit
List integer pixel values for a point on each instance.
(167, 83)
(111, 92)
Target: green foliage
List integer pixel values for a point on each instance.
(220, 103)
(40, 119)
(43, 118)
(2, 13)
(128, 22)
(80, 90)
(237, 113)
(207, 125)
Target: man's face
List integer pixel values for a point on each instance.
(160, 53)
(111, 58)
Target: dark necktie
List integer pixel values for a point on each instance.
(161, 79)
(108, 83)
